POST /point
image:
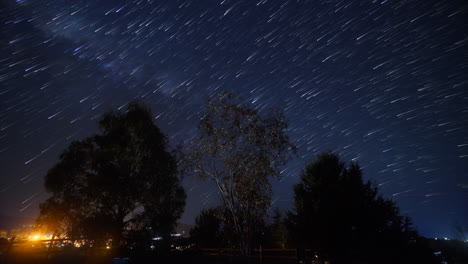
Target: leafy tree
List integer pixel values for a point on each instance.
(115, 180)
(343, 218)
(207, 232)
(239, 148)
(276, 234)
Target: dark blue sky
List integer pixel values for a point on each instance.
(380, 82)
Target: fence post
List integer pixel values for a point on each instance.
(261, 254)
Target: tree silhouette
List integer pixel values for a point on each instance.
(207, 232)
(114, 181)
(240, 149)
(460, 232)
(344, 219)
(276, 235)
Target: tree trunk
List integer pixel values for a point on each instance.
(229, 203)
(51, 244)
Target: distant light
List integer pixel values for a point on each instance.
(107, 247)
(157, 238)
(35, 237)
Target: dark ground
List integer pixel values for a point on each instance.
(74, 259)
(453, 252)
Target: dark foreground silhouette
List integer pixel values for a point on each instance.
(445, 252)
(116, 197)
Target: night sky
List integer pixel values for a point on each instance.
(383, 82)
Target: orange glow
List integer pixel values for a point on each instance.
(36, 237)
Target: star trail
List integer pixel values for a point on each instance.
(383, 83)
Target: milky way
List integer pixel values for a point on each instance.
(380, 82)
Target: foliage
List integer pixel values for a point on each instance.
(207, 232)
(343, 218)
(277, 233)
(239, 148)
(113, 181)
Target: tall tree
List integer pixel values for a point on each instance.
(239, 148)
(111, 181)
(343, 218)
